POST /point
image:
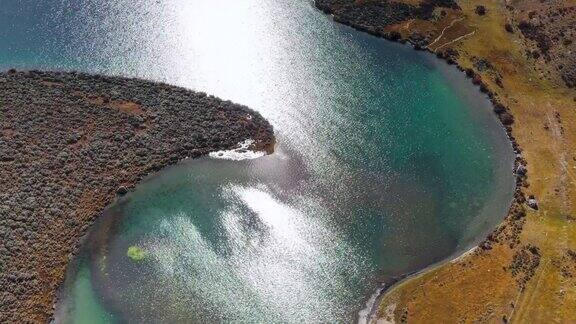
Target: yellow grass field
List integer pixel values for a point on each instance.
(482, 286)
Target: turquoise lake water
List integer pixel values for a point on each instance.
(388, 160)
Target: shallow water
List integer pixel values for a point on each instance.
(388, 160)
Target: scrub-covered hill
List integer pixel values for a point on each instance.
(69, 143)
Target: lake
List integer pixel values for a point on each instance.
(387, 161)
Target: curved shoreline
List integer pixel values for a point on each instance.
(506, 119)
(372, 307)
(525, 270)
(71, 143)
(519, 115)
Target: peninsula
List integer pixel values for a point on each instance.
(69, 144)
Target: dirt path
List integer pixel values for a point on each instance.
(444, 29)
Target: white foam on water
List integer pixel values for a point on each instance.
(465, 254)
(367, 314)
(240, 153)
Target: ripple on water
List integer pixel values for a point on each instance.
(388, 161)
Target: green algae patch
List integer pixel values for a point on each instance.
(136, 254)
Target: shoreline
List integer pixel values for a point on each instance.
(523, 223)
(91, 239)
(472, 286)
(462, 251)
(92, 138)
(503, 115)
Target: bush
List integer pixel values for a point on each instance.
(136, 253)
(480, 10)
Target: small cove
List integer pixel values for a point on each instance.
(388, 160)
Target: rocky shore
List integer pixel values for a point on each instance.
(516, 54)
(69, 144)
